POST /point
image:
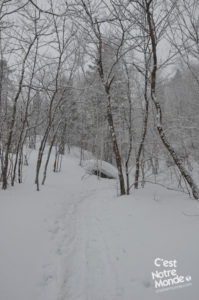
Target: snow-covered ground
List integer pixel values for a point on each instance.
(77, 240)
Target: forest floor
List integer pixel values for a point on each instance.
(77, 240)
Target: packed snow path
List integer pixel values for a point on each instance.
(76, 240)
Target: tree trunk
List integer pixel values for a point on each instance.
(48, 156)
(183, 171)
(40, 156)
(141, 146)
(115, 145)
(110, 116)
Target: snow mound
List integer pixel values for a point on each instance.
(101, 168)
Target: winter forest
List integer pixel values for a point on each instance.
(98, 99)
(92, 74)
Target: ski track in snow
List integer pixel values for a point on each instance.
(83, 269)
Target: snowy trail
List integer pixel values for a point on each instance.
(76, 240)
(92, 272)
(36, 229)
(48, 237)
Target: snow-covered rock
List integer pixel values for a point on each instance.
(101, 168)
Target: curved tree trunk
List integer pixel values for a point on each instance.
(183, 171)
